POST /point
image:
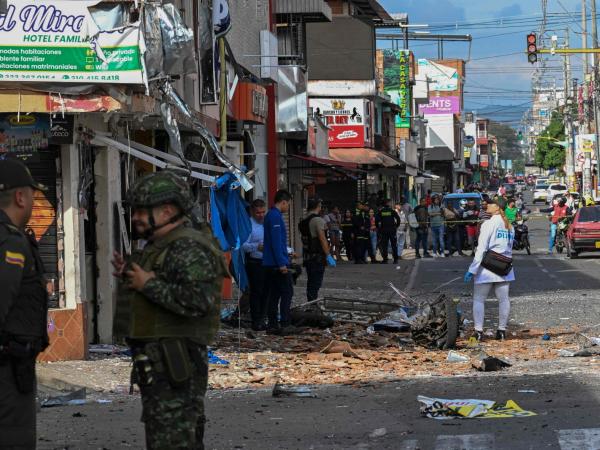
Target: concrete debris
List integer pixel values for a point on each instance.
(455, 357)
(379, 432)
(72, 398)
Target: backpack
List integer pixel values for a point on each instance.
(310, 245)
(412, 221)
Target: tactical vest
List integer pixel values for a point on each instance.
(150, 321)
(311, 245)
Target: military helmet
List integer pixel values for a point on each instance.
(160, 188)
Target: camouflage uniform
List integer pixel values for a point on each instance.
(172, 319)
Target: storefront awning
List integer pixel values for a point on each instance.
(363, 156)
(328, 162)
(439, 154)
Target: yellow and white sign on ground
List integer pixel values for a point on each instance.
(442, 409)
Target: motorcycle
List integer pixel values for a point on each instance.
(521, 240)
(560, 241)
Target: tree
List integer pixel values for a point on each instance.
(508, 144)
(548, 154)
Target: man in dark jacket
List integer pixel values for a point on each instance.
(388, 222)
(23, 308)
(423, 219)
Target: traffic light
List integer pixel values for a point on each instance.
(532, 48)
(520, 136)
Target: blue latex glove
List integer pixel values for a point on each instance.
(330, 261)
(468, 277)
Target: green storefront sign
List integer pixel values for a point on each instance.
(396, 81)
(59, 41)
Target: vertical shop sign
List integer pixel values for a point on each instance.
(396, 81)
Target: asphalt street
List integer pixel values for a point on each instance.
(550, 291)
(378, 416)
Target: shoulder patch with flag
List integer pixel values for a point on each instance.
(17, 259)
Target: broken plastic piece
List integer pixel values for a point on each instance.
(443, 409)
(280, 390)
(214, 359)
(456, 357)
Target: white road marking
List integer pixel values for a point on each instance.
(465, 442)
(582, 439)
(411, 444)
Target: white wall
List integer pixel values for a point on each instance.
(74, 244)
(440, 130)
(108, 191)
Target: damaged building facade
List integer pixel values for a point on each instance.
(95, 94)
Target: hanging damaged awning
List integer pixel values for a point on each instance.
(156, 157)
(365, 156)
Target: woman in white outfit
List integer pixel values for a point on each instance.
(497, 235)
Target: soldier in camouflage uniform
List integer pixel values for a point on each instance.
(170, 301)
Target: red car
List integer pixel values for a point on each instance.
(584, 233)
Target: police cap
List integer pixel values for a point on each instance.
(14, 174)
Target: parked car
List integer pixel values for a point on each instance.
(556, 188)
(584, 233)
(540, 193)
(521, 185)
(455, 199)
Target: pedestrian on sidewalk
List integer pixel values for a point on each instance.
(347, 233)
(496, 236)
(334, 219)
(252, 249)
(373, 235)
(407, 208)
(360, 222)
(436, 219)
(453, 231)
(388, 222)
(23, 308)
(276, 262)
(170, 295)
(471, 220)
(511, 210)
(422, 217)
(315, 248)
(401, 231)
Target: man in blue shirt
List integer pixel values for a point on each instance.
(276, 262)
(253, 250)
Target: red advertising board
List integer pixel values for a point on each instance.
(346, 136)
(345, 119)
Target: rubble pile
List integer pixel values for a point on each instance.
(346, 353)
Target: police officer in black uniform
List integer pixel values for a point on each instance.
(23, 308)
(388, 222)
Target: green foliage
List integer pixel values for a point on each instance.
(508, 144)
(548, 154)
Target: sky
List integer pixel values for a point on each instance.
(497, 69)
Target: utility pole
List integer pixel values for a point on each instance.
(595, 106)
(587, 166)
(570, 151)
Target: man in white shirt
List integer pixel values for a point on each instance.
(253, 248)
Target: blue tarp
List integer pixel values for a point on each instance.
(230, 223)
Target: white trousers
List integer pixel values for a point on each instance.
(480, 294)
